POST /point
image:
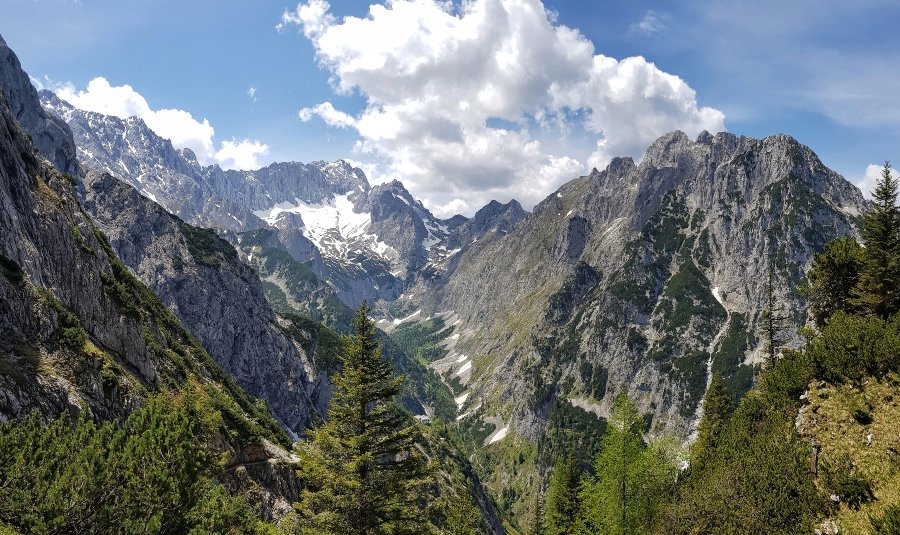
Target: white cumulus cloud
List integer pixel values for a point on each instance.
(329, 114)
(870, 179)
(242, 154)
(179, 126)
(649, 25)
(488, 98)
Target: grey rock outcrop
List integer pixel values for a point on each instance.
(215, 295)
(635, 277)
(49, 133)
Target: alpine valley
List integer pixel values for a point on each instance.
(132, 273)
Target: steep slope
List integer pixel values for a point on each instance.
(292, 288)
(217, 297)
(640, 277)
(48, 133)
(78, 330)
(365, 241)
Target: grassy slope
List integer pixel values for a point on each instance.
(829, 416)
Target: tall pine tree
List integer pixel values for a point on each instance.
(561, 509)
(363, 472)
(831, 279)
(877, 290)
(536, 525)
(772, 319)
(716, 410)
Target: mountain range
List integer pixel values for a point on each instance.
(644, 277)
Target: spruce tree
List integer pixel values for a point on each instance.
(536, 526)
(773, 320)
(831, 279)
(561, 509)
(716, 410)
(877, 290)
(362, 469)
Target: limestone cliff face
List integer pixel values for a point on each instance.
(54, 288)
(216, 296)
(77, 330)
(48, 133)
(641, 278)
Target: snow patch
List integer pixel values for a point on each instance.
(407, 318)
(462, 358)
(569, 213)
(332, 225)
(465, 367)
(499, 435)
(461, 399)
(717, 295)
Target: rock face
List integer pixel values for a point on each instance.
(216, 296)
(641, 278)
(49, 133)
(77, 330)
(367, 242)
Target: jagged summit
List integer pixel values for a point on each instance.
(49, 134)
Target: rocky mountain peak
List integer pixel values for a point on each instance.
(50, 134)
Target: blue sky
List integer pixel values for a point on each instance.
(825, 72)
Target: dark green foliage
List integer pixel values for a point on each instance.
(686, 303)
(879, 280)
(704, 249)
(570, 429)
(728, 357)
(316, 339)
(716, 411)
(422, 340)
(563, 303)
(563, 501)
(536, 522)
(690, 369)
(206, 247)
(888, 523)
(842, 478)
(148, 475)
(462, 518)
(772, 320)
(850, 348)
(11, 270)
(755, 481)
(71, 334)
(245, 415)
(594, 377)
(363, 471)
(832, 277)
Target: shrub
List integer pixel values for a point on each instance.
(841, 477)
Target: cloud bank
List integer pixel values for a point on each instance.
(488, 98)
(179, 126)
